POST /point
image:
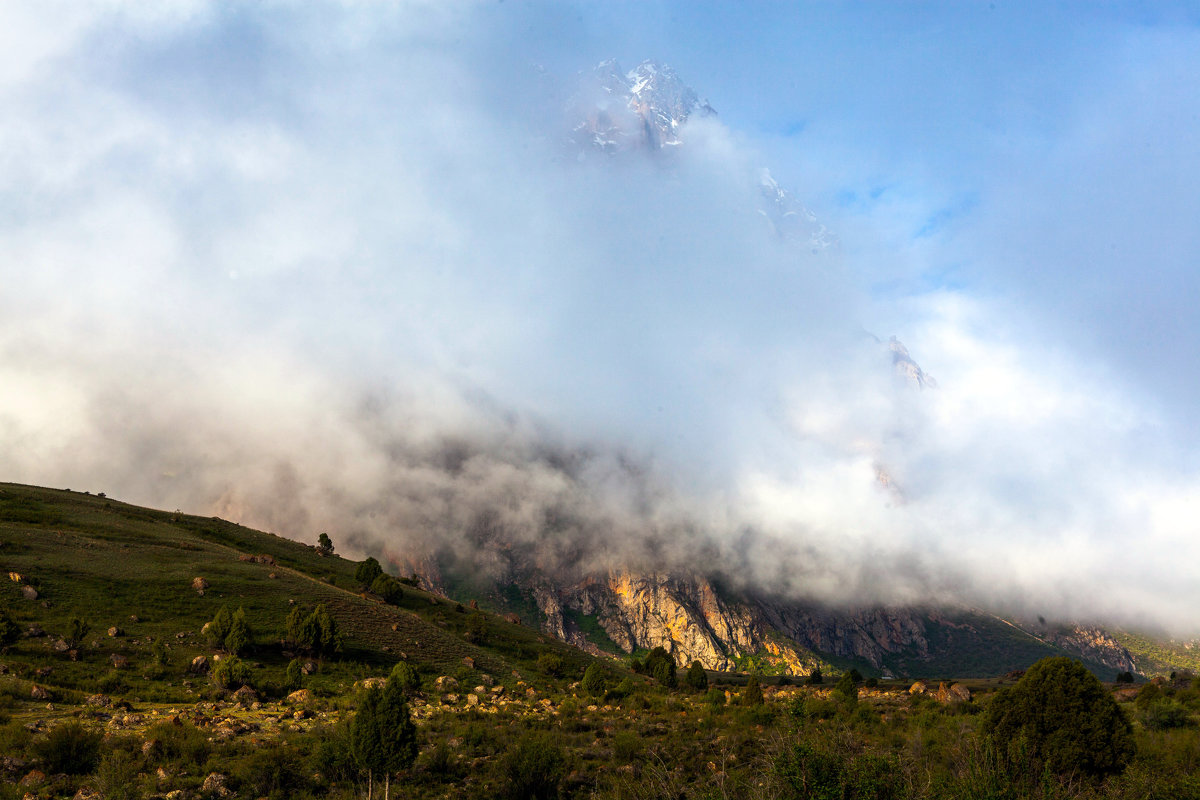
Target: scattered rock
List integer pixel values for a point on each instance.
(61, 645)
(86, 793)
(134, 618)
(272, 575)
(468, 662)
(199, 584)
(480, 690)
(370, 683)
(918, 688)
(300, 696)
(395, 626)
(43, 672)
(35, 777)
(445, 683)
(245, 696)
(199, 665)
(472, 700)
(953, 694)
(39, 693)
(34, 632)
(29, 593)
(513, 618)
(99, 701)
(487, 680)
(16, 577)
(118, 661)
(114, 632)
(3, 669)
(215, 784)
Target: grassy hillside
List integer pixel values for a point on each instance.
(111, 564)
(500, 710)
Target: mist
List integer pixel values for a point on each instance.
(340, 270)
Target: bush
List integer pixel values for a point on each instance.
(239, 636)
(367, 572)
(593, 680)
(532, 769)
(846, 691)
(714, 698)
(1125, 677)
(815, 678)
(218, 627)
(476, 628)
(1058, 716)
(388, 589)
(316, 632)
(550, 664)
(696, 678)
(9, 630)
(661, 666)
(294, 677)
(1164, 714)
(69, 748)
(752, 693)
(230, 673)
(404, 676)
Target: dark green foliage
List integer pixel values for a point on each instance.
(219, 627)
(1164, 713)
(271, 770)
(855, 676)
(815, 678)
(593, 680)
(69, 748)
(239, 636)
(816, 771)
(660, 666)
(696, 678)
(846, 691)
(170, 743)
(388, 589)
(230, 673)
(79, 629)
(404, 676)
(116, 775)
(1147, 695)
(1125, 677)
(9, 630)
(367, 572)
(1061, 718)
(324, 545)
(476, 628)
(315, 632)
(294, 676)
(715, 698)
(871, 683)
(532, 769)
(751, 694)
(383, 738)
(550, 664)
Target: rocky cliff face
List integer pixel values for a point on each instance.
(1095, 645)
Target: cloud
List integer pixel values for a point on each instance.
(336, 269)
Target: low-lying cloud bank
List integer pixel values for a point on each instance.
(338, 270)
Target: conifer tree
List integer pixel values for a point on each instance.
(696, 678)
(239, 635)
(383, 738)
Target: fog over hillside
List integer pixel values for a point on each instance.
(345, 269)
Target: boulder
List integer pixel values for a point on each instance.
(118, 661)
(468, 662)
(309, 668)
(34, 777)
(39, 693)
(199, 584)
(245, 696)
(99, 701)
(16, 577)
(370, 683)
(29, 593)
(114, 632)
(472, 700)
(61, 645)
(300, 696)
(445, 683)
(953, 694)
(199, 665)
(215, 784)
(918, 688)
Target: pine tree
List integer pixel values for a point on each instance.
(593, 680)
(367, 572)
(696, 678)
(239, 635)
(218, 629)
(752, 695)
(383, 738)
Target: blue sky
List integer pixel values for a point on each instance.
(266, 261)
